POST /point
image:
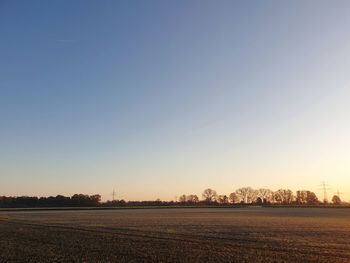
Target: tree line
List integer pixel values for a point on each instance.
(248, 195)
(242, 196)
(77, 200)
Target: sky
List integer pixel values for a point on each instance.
(161, 98)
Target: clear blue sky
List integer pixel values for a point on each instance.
(161, 98)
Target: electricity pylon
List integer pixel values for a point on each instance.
(325, 187)
(113, 195)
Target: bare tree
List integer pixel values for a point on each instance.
(233, 198)
(253, 196)
(223, 199)
(311, 198)
(209, 195)
(284, 196)
(266, 195)
(246, 195)
(306, 197)
(192, 199)
(182, 199)
(301, 197)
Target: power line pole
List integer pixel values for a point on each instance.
(113, 195)
(324, 188)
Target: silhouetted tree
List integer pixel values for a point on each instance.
(283, 196)
(246, 195)
(312, 198)
(85, 200)
(301, 197)
(51, 201)
(336, 200)
(192, 199)
(95, 199)
(209, 195)
(266, 195)
(182, 198)
(259, 201)
(233, 198)
(306, 197)
(115, 203)
(223, 199)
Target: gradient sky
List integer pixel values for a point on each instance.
(161, 98)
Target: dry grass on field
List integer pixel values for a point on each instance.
(177, 235)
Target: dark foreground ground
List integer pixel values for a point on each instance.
(177, 235)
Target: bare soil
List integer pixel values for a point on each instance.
(177, 235)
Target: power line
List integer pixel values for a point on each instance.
(325, 187)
